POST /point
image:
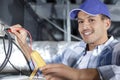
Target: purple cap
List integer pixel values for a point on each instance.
(91, 7)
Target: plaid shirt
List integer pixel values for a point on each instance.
(72, 55)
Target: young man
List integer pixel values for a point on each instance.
(79, 62)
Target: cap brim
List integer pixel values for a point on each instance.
(74, 13)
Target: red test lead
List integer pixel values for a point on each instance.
(18, 29)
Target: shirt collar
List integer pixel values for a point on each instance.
(99, 48)
(110, 40)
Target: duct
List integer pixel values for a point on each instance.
(47, 50)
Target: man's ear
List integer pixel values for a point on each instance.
(108, 23)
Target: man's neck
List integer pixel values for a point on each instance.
(91, 46)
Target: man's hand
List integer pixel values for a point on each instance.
(60, 71)
(63, 72)
(19, 32)
(21, 36)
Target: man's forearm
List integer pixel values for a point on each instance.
(88, 74)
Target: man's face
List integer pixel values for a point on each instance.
(92, 28)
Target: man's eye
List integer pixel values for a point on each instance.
(91, 20)
(80, 22)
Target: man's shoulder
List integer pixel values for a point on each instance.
(77, 47)
(116, 54)
(116, 47)
(78, 44)
(115, 44)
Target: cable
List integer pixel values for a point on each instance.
(9, 60)
(9, 50)
(8, 54)
(23, 55)
(17, 29)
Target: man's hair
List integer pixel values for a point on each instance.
(103, 17)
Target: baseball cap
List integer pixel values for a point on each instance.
(91, 7)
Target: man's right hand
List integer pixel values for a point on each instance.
(63, 72)
(21, 36)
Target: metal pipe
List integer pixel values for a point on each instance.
(68, 22)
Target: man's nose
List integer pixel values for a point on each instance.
(86, 25)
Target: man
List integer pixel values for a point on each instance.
(88, 59)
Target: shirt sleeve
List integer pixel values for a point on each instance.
(32, 67)
(109, 72)
(31, 64)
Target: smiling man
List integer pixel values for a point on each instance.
(92, 28)
(96, 55)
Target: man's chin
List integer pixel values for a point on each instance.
(89, 41)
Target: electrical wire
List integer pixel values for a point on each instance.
(23, 55)
(9, 51)
(10, 61)
(8, 54)
(20, 48)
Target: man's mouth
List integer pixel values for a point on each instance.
(87, 33)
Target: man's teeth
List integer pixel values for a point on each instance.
(87, 33)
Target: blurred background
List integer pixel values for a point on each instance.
(48, 20)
